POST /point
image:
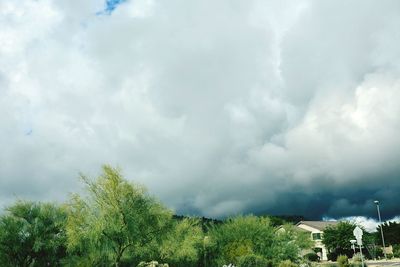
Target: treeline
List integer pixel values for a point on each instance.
(117, 223)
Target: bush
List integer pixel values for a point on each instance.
(356, 261)
(389, 256)
(396, 251)
(253, 260)
(312, 256)
(287, 263)
(343, 261)
(332, 256)
(152, 264)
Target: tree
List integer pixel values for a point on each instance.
(391, 231)
(113, 218)
(183, 245)
(289, 242)
(32, 234)
(250, 235)
(337, 238)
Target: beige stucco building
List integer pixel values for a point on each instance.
(316, 230)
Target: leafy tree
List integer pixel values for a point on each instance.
(116, 221)
(391, 231)
(32, 234)
(288, 243)
(183, 245)
(251, 235)
(337, 239)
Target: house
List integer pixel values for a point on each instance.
(316, 230)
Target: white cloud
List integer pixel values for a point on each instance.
(370, 224)
(218, 107)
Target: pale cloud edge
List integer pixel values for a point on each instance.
(219, 108)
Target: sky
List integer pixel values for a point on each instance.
(218, 107)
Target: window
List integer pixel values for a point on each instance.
(316, 236)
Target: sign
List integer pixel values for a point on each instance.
(358, 233)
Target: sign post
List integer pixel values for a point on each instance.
(358, 233)
(353, 247)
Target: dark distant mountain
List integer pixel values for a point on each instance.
(282, 219)
(205, 222)
(276, 220)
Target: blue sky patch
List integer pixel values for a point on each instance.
(110, 6)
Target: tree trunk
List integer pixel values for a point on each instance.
(118, 259)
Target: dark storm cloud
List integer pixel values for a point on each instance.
(219, 108)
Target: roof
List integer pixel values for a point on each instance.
(320, 225)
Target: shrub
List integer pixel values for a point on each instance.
(342, 261)
(396, 251)
(253, 260)
(389, 256)
(287, 263)
(356, 261)
(357, 257)
(312, 256)
(152, 264)
(332, 256)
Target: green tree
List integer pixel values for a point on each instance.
(337, 238)
(115, 221)
(32, 234)
(391, 231)
(289, 242)
(251, 235)
(183, 245)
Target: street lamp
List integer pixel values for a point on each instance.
(380, 223)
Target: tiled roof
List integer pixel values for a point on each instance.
(320, 225)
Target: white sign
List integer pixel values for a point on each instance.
(358, 233)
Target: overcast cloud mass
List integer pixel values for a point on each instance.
(218, 107)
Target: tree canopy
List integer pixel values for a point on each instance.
(391, 231)
(250, 235)
(32, 234)
(183, 244)
(337, 240)
(115, 222)
(113, 218)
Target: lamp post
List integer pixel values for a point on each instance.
(380, 223)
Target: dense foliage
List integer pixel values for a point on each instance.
(117, 223)
(116, 219)
(32, 234)
(391, 232)
(251, 235)
(183, 244)
(337, 238)
(337, 241)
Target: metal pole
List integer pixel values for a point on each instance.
(362, 260)
(380, 223)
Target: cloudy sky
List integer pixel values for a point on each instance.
(218, 107)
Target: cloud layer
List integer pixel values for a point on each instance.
(219, 108)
